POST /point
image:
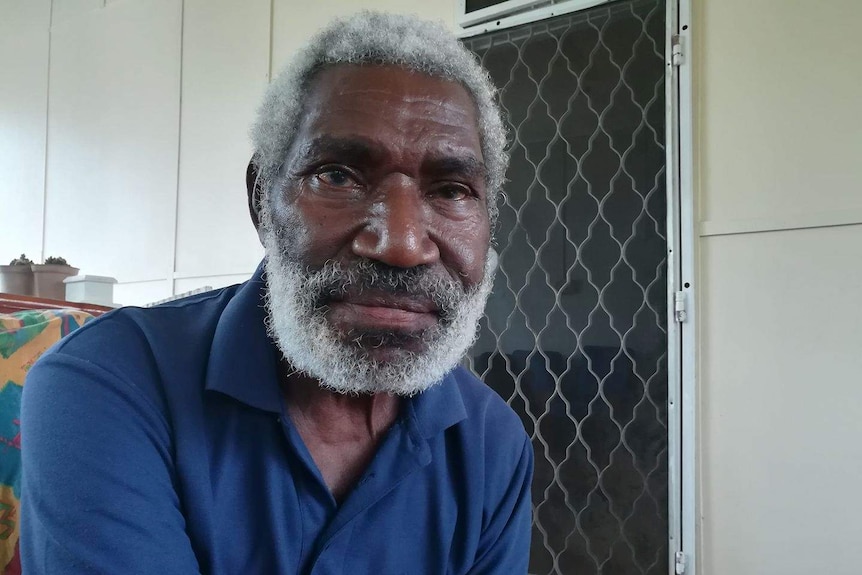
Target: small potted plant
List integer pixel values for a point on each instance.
(48, 278)
(17, 277)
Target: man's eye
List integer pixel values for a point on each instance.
(452, 192)
(336, 178)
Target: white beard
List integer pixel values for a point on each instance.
(308, 341)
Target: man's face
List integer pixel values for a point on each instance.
(377, 232)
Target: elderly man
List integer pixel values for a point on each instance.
(313, 420)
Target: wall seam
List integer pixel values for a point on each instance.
(800, 222)
(47, 131)
(194, 276)
(176, 207)
(271, 26)
(143, 281)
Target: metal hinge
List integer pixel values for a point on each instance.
(679, 311)
(679, 563)
(676, 51)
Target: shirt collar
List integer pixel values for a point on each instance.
(438, 407)
(243, 360)
(243, 364)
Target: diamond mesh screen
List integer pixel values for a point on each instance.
(575, 335)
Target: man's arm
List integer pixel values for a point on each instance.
(98, 484)
(504, 548)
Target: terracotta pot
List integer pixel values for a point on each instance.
(48, 280)
(16, 279)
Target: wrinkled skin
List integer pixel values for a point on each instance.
(386, 166)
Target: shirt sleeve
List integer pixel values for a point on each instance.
(98, 490)
(504, 548)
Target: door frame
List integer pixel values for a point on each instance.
(683, 463)
(682, 291)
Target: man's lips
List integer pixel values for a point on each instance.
(405, 303)
(382, 311)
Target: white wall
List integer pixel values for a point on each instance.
(782, 403)
(779, 137)
(130, 118)
(225, 71)
(23, 105)
(113, 122)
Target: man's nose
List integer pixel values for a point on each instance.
(396, 233)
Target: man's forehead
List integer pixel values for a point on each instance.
(352, 105)
(384, 78)
(350, 88)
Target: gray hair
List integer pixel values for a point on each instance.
(378, 39)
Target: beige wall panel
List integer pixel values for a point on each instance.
(23, 113)
(23, 15)
(66, 9)
(780, 83)
(142, 293)
(113, 139)
(294, 21)
(188, 284)
(781, 403)
(225, 67)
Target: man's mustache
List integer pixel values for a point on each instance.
(338, 281)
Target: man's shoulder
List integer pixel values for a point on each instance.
(182, 323)
(143, 347)
(492, 436)
(155, 355)
(483, 403)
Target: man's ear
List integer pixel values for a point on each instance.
(255, 194)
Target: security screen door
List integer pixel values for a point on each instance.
(575, 337)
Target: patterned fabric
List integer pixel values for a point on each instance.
(24, 336)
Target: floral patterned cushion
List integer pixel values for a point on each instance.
(24, 336)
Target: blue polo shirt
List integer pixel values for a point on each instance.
(155, 442)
